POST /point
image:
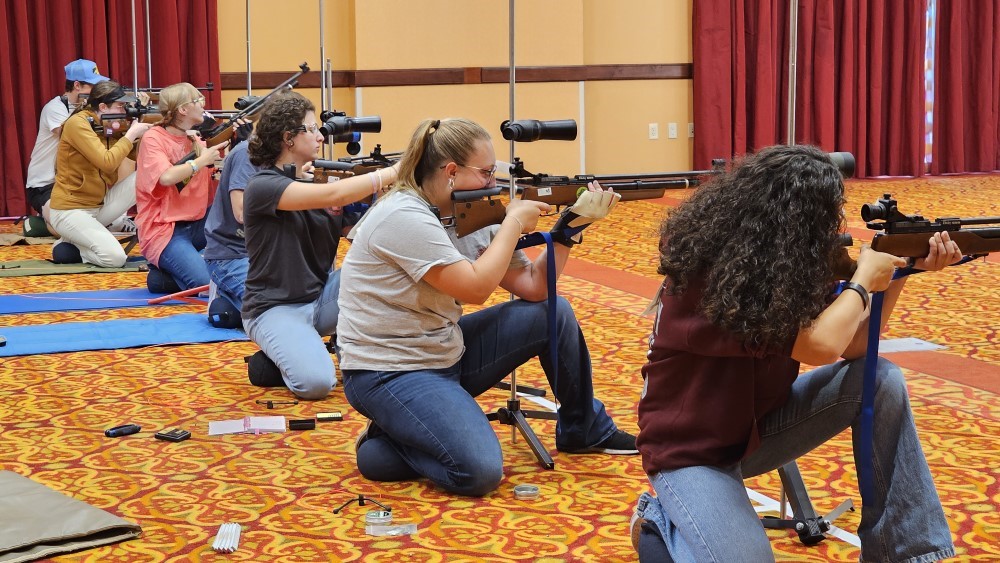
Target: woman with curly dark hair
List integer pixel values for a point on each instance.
(290, 302)
(749, 260)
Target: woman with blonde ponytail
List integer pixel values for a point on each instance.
(172, 197)
(413, 363)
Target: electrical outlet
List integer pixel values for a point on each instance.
(691, 130)
(671, 130)
(654, 130)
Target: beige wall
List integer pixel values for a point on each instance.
(407, 34)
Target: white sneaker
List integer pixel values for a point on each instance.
(128, 225)
(124, 225)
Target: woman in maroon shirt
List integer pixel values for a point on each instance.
(749, 262)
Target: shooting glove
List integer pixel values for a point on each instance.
(242, 133)
(589, 207)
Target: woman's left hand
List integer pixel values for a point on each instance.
(307, 171)
(943, 252)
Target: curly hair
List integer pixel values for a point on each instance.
(283, 113)
(761, 238)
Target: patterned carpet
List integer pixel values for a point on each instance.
(282, 487)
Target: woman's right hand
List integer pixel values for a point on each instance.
(137, 129)
(875, 269)
(527, 212)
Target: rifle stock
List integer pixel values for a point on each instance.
(562, 191)
(907, 236)
(972, 242)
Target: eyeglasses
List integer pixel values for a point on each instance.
(312, 128)
(488, 173)
(198, 100)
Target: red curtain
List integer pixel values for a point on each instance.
(38, 38)
(967, 87)
(859, 79)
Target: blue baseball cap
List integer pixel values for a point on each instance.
(82, 70)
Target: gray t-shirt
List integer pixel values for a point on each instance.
(390, 319)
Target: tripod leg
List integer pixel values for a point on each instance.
(518, 420)
(810, 526)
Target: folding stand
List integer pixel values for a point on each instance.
(810, 526)
(361, 499)
(513, 415)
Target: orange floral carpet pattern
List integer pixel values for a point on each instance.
(282, 488)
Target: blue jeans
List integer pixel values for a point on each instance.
(230, 277)
(292, 337)
(181, 258)
(427, 423)
(703, 513)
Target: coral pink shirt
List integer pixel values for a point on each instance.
(159, 206)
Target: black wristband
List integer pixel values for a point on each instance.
(860, 291)
(568, 242)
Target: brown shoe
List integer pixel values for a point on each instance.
(635, 528)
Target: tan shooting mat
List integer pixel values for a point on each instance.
(37, 522)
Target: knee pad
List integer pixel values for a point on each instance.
(158, 281)
(223, 314)
(35, 227)
(66, 253)
(262, 371)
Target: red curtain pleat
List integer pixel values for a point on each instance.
(859, 79)
(38, 38)
(967, 87)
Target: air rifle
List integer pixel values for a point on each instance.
(906, 235)
(476, 209)
(247, 107)
(353, 166)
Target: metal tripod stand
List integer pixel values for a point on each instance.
(810, 526)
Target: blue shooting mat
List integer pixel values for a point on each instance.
(78, 300)
(188, 328)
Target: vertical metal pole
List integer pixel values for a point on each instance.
(135, 55)
(329, 85)
(327, 147)
(510, 43)
(322, 56)
(793, 50)
(513, 187)
(249, 88)
(149, 51)
(328, 101)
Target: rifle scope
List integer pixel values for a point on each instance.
(341, 124)
(885, 208)
(243, 102)
(528, 130)
(845, 162)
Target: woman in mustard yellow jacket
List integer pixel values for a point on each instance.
(88, 195)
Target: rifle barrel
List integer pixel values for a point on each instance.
(652, 176)
(624, 186)
(978, 220)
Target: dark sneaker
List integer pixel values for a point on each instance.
(619, 443)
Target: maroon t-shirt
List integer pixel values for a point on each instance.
(705, 388)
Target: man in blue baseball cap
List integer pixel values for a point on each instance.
(82, 70)
(81, 75)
